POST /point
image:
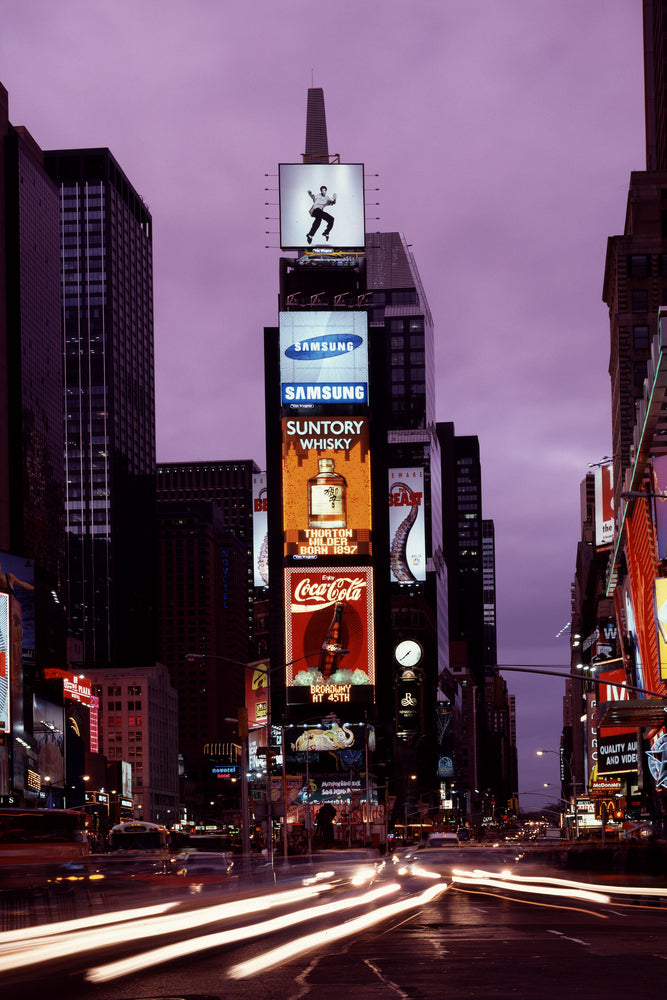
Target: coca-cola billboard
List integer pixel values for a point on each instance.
(329, 649)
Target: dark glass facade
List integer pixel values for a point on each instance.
(31, 434)
(107, 320)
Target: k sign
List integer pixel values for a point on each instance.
(604, 505)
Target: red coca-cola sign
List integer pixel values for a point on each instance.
(311, 596)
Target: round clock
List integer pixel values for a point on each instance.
(408, 653)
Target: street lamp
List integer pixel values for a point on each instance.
(267, 672)
(573, 783)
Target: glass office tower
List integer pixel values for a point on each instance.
(107, 320)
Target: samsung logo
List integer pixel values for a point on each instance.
(325, 392)
(317, 348)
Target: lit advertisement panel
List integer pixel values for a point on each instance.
(329, 647)
(49, 733)
(260, 539)
(323, 358)
(5, 720)
(256, 695)
(617, 747)
(19, 575)
(321, 205)
(604, 505)
(326, 486)
(661, 623)
(659, 485)
(406, 525)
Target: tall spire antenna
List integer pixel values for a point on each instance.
(317, 144)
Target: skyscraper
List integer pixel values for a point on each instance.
(31, 435)
(107, 321)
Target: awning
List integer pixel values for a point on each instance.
(649, 713)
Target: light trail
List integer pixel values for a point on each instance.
(498, 882)
(301, 945)
(135, 963)
(81, 941)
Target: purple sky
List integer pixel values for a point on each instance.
(503, 133)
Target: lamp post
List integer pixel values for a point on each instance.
(573, 782)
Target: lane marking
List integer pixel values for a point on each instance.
(560, 934)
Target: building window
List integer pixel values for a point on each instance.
(640, 338)
(639, 300)
(638, 265)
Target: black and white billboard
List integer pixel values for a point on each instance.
(321, 205)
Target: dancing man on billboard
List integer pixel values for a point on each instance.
(320, 202)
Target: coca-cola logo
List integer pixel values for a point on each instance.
(322, 593)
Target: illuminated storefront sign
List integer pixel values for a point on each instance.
(323, 358)
(326, 486)
(406, 525)
(329, 649)
(321, 205)
(259, 531)
(75, 687)
(604, 505)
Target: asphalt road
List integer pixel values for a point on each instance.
(472, 941)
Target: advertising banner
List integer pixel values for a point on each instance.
(256, 695)
(321, 205)
(604, 505)
(5, 720)
(661, 624)
(326, 486)
(260, 540)
(406, 525)
(617, 751)
(659, 486)
(17, 578)
(336, 747)
(49, 733)
(323, 358)
(329, 645)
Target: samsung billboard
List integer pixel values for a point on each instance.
(323, 358)
(321, 206)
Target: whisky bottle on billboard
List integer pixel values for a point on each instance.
(327, 500)
(332, 648)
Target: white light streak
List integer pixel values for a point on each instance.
(124, 967)
(297, 947)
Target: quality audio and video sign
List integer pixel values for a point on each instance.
(323, 358)
(406, 525)
(326, 486)
(617, 746)
(329, 648)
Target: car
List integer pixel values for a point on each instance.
(440, 840)
(197, 869)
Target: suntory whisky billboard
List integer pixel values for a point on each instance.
(329, 648)
(326, 486)
(323, 358)
(321, 205)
